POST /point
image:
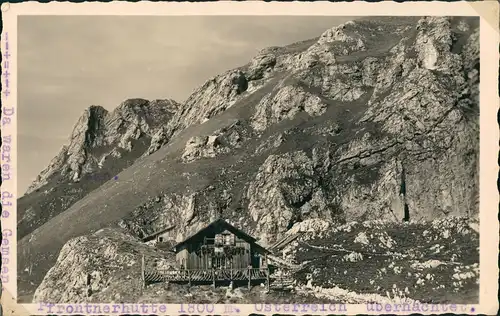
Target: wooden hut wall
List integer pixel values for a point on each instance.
(182, 257)
(166, 236)
(196, 259)
(241, 259)
(193, 257)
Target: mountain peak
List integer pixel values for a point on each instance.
(98, 128)
(88, 126)
(140, 104)
(101, 144)
(96, 109)
(134, 103)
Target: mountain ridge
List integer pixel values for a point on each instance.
(90, 157)
(326, 131)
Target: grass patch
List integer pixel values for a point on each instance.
(434, 262)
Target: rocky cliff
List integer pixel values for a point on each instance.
(375, 119)
(101, 145)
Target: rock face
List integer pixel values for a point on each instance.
(101, 145)
(212, 98)
(286, 103)
(102, 267)
(286, 182)
(375, 119)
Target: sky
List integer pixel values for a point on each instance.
(67, 63)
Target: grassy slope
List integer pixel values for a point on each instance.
(393, 260)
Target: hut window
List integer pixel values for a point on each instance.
(160, 239)
(218, 240)
(229, 240)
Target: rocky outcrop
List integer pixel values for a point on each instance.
(201, 147)
(286, 103)
(220, 142)
(260, 66)
(159, 139)
(102, 267)
(374, 119)
(86, 133)
(215, 96)
(286, 183)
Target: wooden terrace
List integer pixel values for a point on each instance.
(205, 275)
(218, 252)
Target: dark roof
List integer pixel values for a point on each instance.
(156, 233)
(220, 223)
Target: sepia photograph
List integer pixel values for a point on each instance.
(247, 159)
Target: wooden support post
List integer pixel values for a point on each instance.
(213, 277)
(189, 278)
(267, 277)
(249, 278)
(143, 273)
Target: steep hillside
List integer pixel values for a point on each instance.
(432, 262)
(373, 261)
(375, 119)
(101, 145)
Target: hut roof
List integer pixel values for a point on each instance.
(219, 226)
(156, 233)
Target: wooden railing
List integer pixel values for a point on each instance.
(200, 275)
(204, 275)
